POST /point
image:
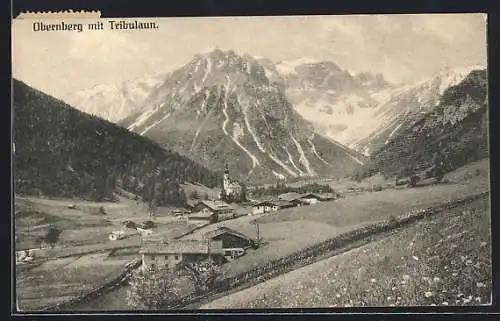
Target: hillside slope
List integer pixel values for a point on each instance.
(60, 151)
(453, 134)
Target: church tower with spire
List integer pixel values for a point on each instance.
(230, 188)
(226, 182)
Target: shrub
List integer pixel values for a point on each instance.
(52, 235)
(152, 290)
(202, 274)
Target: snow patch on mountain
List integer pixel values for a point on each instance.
(154, 124)
(290, 159)
(313, 149)
(286, 67)
(283, 165)
(303, 159)
(255, 161)
(278, 175)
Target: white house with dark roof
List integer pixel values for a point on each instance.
(172, 253)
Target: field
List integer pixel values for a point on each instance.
(442, 260)
(58, 280)
(83, 257)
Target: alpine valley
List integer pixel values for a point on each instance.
(268, 119)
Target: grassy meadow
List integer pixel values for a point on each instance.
(442, 260)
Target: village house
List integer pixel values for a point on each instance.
(270, 206)
(121, 234)
(311, 198)
(171, 254)
(234, 243)
(293, 198)
(212, 211)
(323, 197)
(202, 217)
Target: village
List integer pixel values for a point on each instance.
(209, 236)
(212, 238)
(101, 243)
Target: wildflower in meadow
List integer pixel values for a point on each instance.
(444, 303)
(483, 244)
(415, 258)
(428, 294)
(406, 277)
(436, 279)
(373, 280)
(480, 285)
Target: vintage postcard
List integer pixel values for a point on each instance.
(250, 162)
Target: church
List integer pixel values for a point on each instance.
(230, 188)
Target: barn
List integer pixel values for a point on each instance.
(234, 243)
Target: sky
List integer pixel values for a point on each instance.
(405, 48)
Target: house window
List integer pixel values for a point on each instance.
(176, 257)
(166, 257)
(152, 267)
(153, 257)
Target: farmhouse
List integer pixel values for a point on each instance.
(172, 253)
(270, 206)
(311, 198)
(234, 243)
(289, 196)
(121, 234)
(294, 198)
(202, 217)
(326, 196)
(216, 210)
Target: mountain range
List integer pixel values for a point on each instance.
(222, 108)
(270, 119)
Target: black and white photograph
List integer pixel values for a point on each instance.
(250, 162)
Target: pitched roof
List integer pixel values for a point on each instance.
(183, 246)
(272, 203)
(326, 195)
(289, 196)
(221, 230)
(199, 215)
(215, 205)
(308, 195)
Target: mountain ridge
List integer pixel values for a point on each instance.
(221, 87)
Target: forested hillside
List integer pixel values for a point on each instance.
(454, 134)
(62, 152)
